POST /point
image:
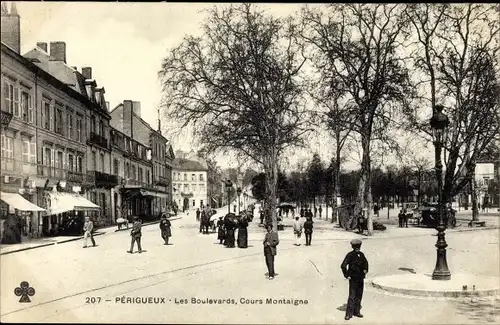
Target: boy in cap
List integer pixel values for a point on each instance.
(354, 267)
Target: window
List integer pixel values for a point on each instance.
(186, 189)
(79, 164)
(29, 151)
(201, 203)
(185, 177)
(116, 166)
(70, 126)
(59, 160)
(58, 121)
(47, 157)
(92, 124)
(101, 128)
(194, 203)
(127, 170)
(79, 128)
(71, 162)
(134, 174)
(141, 179)
(7, 147)
(11, 96)
(46, 120)
(26, 106)
(102, 163)
(201, 178)
(94, 160)
(148, 176)
(193, 177)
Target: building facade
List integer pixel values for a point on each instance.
(45, 108)
(144, 186)
(189, 179)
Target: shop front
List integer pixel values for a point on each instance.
(18, 217)
(66, 213)
(138, 201)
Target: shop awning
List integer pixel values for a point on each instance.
(16, 201)
(64, 202)
(152, 193)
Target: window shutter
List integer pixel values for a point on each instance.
(26, 151)
(31, 118)
(17, 112)
(33, 152)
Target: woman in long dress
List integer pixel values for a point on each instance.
(229, 226)
(243, 233)
(220, 233)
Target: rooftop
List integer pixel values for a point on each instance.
(186, 164)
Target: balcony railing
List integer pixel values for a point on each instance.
(102, 179)
(162, 181)
(98, 140)
(75, 177)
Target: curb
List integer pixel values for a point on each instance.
(76, 238)
(434, 294)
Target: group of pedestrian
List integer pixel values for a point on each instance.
(226, 232)
(307, 227)
(403, 218)
(306, 213)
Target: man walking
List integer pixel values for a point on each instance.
(198, 214)
(297, 230)
(308, 230)
(354, 267)
(165, 228)
(136, 235)
(320, 211)
(88, 227)
(271, 240)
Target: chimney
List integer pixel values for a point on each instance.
(107, 106)
(127, 118)
(11, 27)
(136, 108)
(58, 51)
(87, 72)
(42, 45)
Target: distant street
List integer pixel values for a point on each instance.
(69, 280)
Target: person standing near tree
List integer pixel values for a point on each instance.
(354, 267)
(136, 235)
(271, 240)
(320, 210)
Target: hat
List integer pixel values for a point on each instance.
(269, 225)
(356, 242)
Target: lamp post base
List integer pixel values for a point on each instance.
(441, 271)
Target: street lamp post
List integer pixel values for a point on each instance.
(229, 186)
(238, 191)
(439, 123)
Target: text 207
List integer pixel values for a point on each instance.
(92, 300)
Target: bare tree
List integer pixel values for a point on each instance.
(359, 45)
(239, 86)
(457, 48)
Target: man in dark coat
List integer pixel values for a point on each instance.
(198, 214)
(201, 220)
(354, 267)
(401, 218)
(271, 240)
(308, 230)
(302, 211)
(320, 210)
(166, 231)
(136, 234)
(243, 232)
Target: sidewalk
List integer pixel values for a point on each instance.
(48, 241)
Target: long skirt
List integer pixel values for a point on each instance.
(242, 238)
(220, 234)
(230, 238)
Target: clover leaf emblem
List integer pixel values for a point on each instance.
(24, 291)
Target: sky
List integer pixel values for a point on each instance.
(125, 43)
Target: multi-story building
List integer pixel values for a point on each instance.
(44, 147)
(189, 179)
(137, 152)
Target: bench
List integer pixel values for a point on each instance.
(474, 223)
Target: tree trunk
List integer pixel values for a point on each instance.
(271, 171)
(364, 183)
(335, 187)
(475, 210)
